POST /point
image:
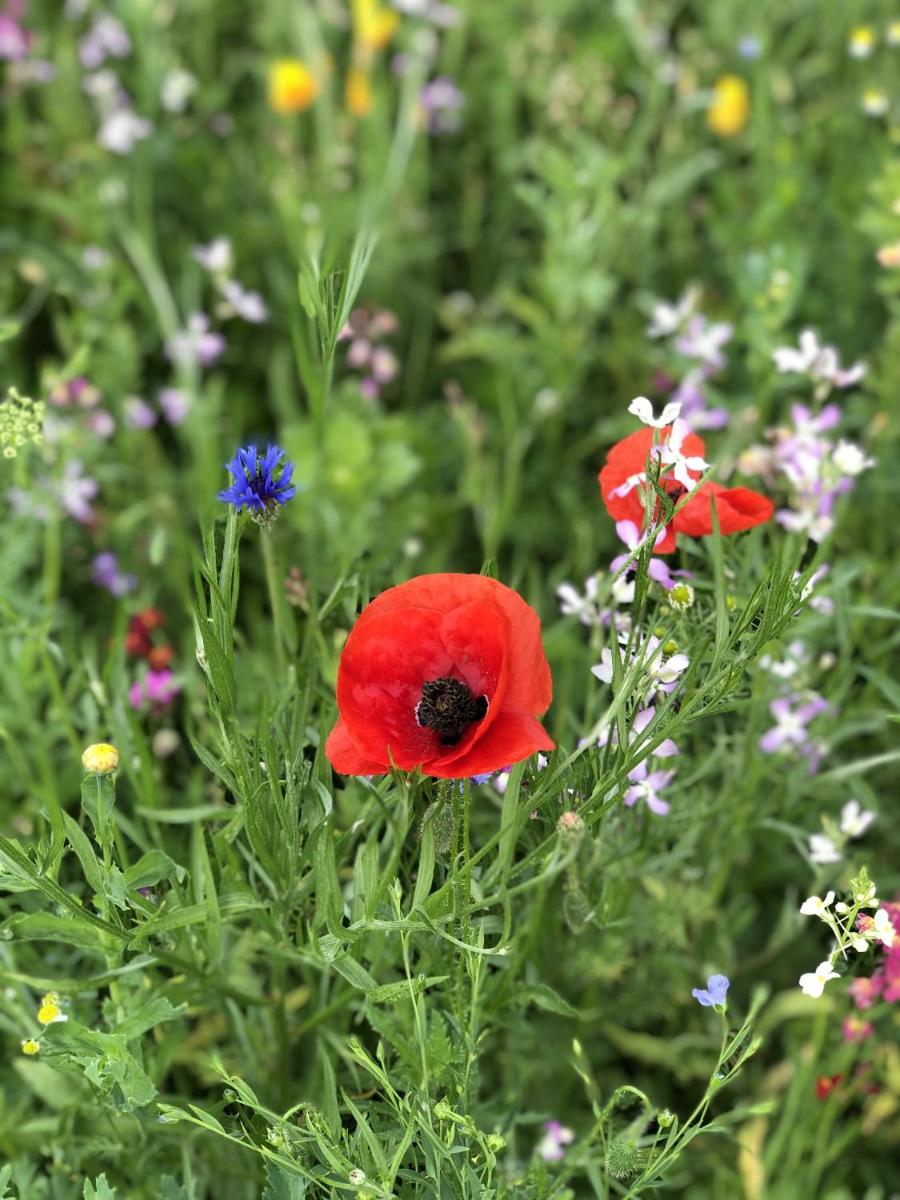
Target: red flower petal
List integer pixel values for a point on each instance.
(468, 627)
(512, 737)
(344, 756)
(737, 509)
(628, 458)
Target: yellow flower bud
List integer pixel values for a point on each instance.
(100, 759)
(730, 106)
(30, 1046)
(292, 85)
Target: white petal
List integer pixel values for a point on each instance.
(670, 412)
(641, 408)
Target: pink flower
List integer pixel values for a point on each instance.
(155, 690)
(855, 1029)
(866, 991)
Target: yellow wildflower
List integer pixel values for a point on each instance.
(30, 1046)
(892, 34)
(358, 92)
(373, 24)
(862, 42)
(730, 106)
(100, 759)
(292, 85)
(50, 1012)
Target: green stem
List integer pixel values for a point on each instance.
(275, 598)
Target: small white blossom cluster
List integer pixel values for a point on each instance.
(853, 929)
(828, 847)
(217, 258)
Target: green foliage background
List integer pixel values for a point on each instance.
(333, 976)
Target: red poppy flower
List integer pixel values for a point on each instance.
(736, 508)
(446, 673)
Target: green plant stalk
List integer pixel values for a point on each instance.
(275, 598)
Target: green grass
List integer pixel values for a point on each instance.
(398, 976)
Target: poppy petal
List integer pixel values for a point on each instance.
(512, 737)
(344, 756)
(736, 509)
(385, 661)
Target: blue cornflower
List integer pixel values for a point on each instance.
(713, 995)
(256, 485)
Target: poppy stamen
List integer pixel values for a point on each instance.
(448, 707)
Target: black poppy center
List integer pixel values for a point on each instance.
(449, 708)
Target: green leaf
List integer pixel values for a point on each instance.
(48, 927)
(151, 868)
(99, 1189)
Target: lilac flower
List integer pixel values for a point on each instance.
(657, 569)
(703, 340)
(666, 748)
(249, 306)
(573, 603)
(197, 344)
(749, 47)
(122, 129)
(105, 573)
(175, 404)
(552, 1146)
(216, 257)
(792, 715)
(107, 38)
(820, 363)
(101, 423)
(715, 994)
(76, 491)
(646, 786)
(690, 395)
(670, 318)
(255, 485)
(366, 354)
(444, 15)
(139, 414)
(442, 101)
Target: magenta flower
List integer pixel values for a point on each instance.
(866, 991)
(155, 690)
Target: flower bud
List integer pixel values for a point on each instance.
(100, 759)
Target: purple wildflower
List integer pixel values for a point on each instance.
(175, 404)
(714, 995)
(646, 786)
(255, 485)
(552, 1146)
(105, 573)
(442, 101)
(657, 569)
(196, 345)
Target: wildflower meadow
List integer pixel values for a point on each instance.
(449, 600)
